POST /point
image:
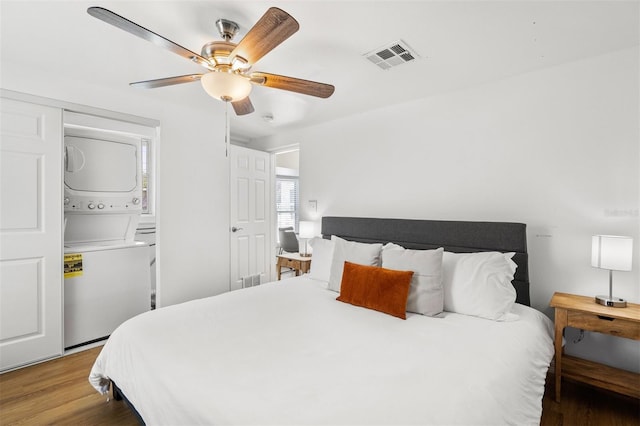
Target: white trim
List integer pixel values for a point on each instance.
(284, 149)
(82, 120)
(284, 171)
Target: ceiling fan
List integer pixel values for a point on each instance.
(229, 76)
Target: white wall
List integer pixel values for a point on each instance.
(193, 255)
(557, 149)
(288, 159)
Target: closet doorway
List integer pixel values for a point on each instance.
(287, 193)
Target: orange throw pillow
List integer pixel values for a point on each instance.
(376, 288)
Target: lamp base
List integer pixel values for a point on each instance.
(613, 301)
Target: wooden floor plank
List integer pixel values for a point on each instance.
(58, 392)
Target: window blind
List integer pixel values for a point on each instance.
(287, 202)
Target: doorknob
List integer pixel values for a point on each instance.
(234, 229)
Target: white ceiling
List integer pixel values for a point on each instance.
(460, 43)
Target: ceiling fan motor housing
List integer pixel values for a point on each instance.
(217, 52)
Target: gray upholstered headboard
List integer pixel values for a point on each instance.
(454, 236)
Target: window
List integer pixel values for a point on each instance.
(287, 203)
(287, 190)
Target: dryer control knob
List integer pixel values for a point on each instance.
(100, 206)
(91, 206)
(66, 201)
(136, 201)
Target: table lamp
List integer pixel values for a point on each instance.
(307, 230)
(614, 253)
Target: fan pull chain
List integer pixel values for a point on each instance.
(227, 134)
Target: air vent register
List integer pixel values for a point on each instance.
(392, 55)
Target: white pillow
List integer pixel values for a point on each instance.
(354, 252)
(479, 284)
(321, 259)
(426, 295)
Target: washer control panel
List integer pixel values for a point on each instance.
(104, 204)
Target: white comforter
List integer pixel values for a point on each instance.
(289, 353)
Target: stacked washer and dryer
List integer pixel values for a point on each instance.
(107, 274)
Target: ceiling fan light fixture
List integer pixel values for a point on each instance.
(226, 86)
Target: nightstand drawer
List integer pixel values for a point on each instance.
(603, 324)
(290, 263)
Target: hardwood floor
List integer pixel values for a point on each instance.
(57, 392)
(588, 406)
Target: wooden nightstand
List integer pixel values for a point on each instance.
(300, 264)
(584, 313)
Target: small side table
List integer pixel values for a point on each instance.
(300, 264)
(584, 313)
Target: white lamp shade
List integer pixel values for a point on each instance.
(612, 252)
(307, 229)
(226, 86)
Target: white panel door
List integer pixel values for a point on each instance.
(250, 217)
(30, 233)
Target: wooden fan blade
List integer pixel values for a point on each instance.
(306, 87)
(169, 81)
(131, 27)
(243, 106)
(273, 28)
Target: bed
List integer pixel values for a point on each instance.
(288, 352)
